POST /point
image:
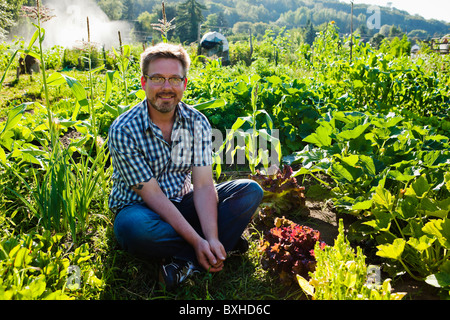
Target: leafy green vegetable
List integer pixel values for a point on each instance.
(342, 274)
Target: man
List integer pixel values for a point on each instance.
(164, 197)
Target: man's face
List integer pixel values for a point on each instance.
(164, 97)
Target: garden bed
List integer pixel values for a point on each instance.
(323, 217)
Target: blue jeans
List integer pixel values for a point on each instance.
(143, 233)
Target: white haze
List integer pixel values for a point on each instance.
(69, 27)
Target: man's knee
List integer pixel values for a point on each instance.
(253, 191)
(259, 192)
(136, 225)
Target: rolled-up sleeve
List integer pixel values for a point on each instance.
(127, 158)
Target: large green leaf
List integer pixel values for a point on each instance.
(439, 280)
(14, 116)
(362, 205)
(2, 156)
(322, 136)
(304, 284)
(393, 250)
(212, 104)
(439, 228)
(421, 186)
(397, 175)
(353, 133)
(383, 198)
(77, 88)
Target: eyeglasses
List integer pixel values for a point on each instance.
(157, 80)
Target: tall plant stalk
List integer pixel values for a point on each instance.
(91, 86)
(42, 14)
(164, 26)
(123, 66)
(255, 154)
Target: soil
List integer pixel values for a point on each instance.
(70, 135)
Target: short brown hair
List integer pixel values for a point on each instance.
(165, 50)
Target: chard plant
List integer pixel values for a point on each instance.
(92, 112)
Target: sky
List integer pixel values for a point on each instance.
(429, 9)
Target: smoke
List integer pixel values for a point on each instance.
(69, 27)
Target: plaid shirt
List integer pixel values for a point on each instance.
(139, 153)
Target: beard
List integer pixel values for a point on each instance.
(163, 106)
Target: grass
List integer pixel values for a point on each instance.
(242, 279)
(30, 88)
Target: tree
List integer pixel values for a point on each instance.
(114, 9)
(221, 20)
(189, 18)
(376, 40)
(309, 33)
(395, 32)
(384, 30)
(242, 27)
(212, 20)
(6, 17)
(145, 21)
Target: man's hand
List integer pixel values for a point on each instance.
(210, 255)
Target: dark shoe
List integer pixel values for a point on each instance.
(241, 247)
(174, 273)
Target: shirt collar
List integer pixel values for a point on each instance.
(182, 111)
